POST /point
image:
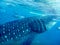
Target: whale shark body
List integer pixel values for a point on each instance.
(22, 32)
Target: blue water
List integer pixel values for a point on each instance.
(50, 37)
(11, 11)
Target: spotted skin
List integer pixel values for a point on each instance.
(19, 29)
(13, 30)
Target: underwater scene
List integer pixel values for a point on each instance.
(29, 22)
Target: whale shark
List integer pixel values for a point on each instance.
(22, 32)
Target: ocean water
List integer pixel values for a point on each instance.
(29, 22)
